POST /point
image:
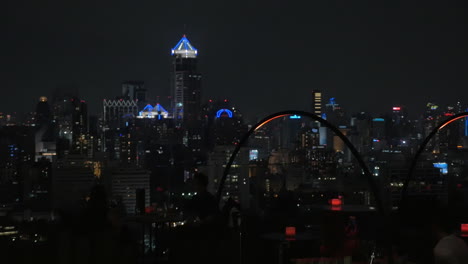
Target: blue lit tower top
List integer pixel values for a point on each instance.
(184, 49)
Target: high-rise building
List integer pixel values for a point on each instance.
(261, 143)
(186, 83)
(70, 122)
(38, 185)
(116, 112)
(450, 136)
(45, 142)
(62, 119)
(378, 132)
(187, 96)
(319, 135)
(289, 131)
(361, 134)
(16, 158)
(43, 113)
(430, 121)
(400, 128)
(45, 138)
(223, 123)
(317, 102)
(335, 115)
(237, 185)
(73, 180)
(126, 182)
(134, 91)
(79, 126)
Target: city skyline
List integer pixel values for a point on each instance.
(243, 131)
(406, 56)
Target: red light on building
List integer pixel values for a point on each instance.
(449, 114)
(464, 230)
(210, 101)
(225, 100)
(159, 189)
(336, 208)
(290, 232)
(149, 209)
(459, 185)
(336, 202)
(396, 108)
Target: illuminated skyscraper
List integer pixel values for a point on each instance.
(79, 126)
(117, 112)
(223, 123)
(186, 83)
(317, 102)
(319, 135)
(187, 95)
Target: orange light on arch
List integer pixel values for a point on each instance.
(271, 119)
(422, 147)
(452, 120)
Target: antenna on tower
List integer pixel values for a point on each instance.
(185, 29)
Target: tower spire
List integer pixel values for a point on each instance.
(184, 49)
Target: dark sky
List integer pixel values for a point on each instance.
(264, 56)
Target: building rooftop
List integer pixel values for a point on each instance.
(184, 49)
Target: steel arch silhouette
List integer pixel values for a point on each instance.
(322, 121)
(422, 147)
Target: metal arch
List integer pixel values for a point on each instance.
(422, 147)
(322, 121)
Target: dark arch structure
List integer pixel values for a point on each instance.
(322, 121)
(422, 147)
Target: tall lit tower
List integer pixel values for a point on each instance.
(43, 114)
(320, 133)
(186, 83)
(317, 102)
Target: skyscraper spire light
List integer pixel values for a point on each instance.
(184, 49)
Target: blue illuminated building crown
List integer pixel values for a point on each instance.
(220, 113)
(153, 112)
(184, 49)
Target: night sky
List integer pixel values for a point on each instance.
(264, 56)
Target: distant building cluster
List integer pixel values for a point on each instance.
(145, 152)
